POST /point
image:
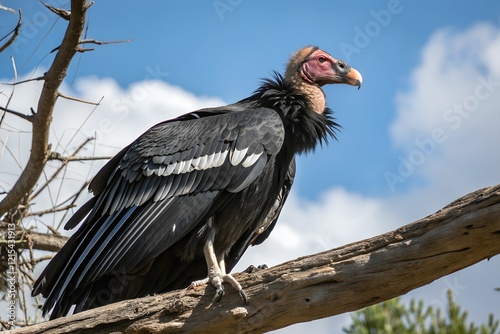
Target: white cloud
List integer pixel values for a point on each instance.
(447, 122)
(452, 63)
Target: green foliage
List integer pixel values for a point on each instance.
(394, 317)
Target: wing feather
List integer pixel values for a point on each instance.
(140, 197)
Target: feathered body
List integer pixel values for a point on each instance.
(216, 175)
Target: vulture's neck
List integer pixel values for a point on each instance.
(313, 93)
(302, 105)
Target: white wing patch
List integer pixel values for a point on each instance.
(250, 160)
(204, 162)
(222, 158)
(237, 156)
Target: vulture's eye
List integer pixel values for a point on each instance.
(321, 59)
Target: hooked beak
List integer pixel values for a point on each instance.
(335, 71)
(353, 78)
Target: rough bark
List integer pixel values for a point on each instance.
(40, 149)
(340, 280)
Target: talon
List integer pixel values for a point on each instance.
(218, 295)
(244, 297)
(251, 268)
(200, 282)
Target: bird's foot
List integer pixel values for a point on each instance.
(253, 269)
(217, 279)
(217, 273)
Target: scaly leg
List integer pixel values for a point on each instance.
(217, 274)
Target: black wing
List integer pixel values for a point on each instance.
(256, 237)
(163, 186)
(268, 224)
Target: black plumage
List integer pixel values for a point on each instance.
(218, 175)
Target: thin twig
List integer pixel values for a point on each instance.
(24, 81)
(94, 41)
(37, 260)
(82, 50)
(65, 14)
(60, 168)
(51, 210)
(7, 9)
(14, 156)
(14, 68)
(77, 99)
(15, 31)
(78, 130)
(53, 230)
(60, 157)
(89, 4)
(28, 118)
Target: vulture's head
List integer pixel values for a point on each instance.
(316, 67)
(310, 68)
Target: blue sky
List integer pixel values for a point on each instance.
(418, 59)
(222, 48)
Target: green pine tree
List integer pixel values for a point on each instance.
(394, 317)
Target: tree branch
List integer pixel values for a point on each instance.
(58, 156)
(51, 210)
(26, 239)
(28, 118)
(40, 149)
(8, 9)
(40, 78)
(64, 14)
(94, 41)
(78, 100)
(14, 32)
(317, 286)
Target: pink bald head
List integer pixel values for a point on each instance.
(320, 68)
(317, 67)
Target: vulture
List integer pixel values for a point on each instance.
(180, 205)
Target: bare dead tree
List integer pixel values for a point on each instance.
(41, 120)
(18, 240)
